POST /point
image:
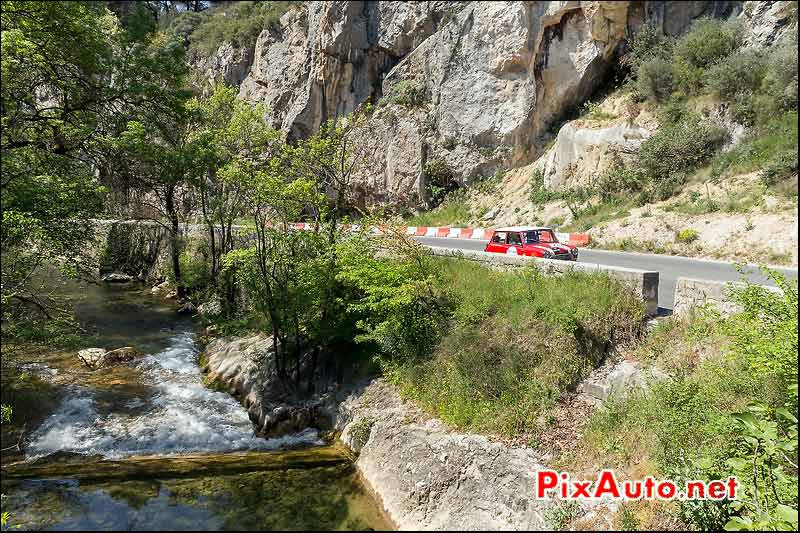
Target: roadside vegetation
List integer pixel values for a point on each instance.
(512, 343)
(729, 408)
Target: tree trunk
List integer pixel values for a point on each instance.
(174, 240)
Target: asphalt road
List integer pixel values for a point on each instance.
(670, 267)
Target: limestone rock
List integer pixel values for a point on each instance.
(98, 357)
(162, 287)
(229, 65)
(495, 77)
(326, 58)
(581, 153)
(765, 22)
(117, 277)
(620, 380)
(188, 309)
(246, 367)
(431, 478)
(92, 357)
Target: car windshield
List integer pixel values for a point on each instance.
(539, 235)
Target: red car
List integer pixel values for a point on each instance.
(531, 241)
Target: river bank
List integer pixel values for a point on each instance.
(158, 406)
(425, 475)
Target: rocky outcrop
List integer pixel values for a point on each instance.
(229, 65)
(582, 152)
(765, 22)
(245, 367)
(495, 77)
(617, 382)
(326, 58)
(492, 76)
(430, 477)
(117, 277)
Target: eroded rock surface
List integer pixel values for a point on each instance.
(245, 367)
(430, 477)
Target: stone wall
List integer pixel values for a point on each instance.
(643, 282)
(691, 293)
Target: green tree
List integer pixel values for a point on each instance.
(292, 275)
(70, 76)
(159, 160)
(239, 141)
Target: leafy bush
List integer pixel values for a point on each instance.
(673, 151)
(538, 192)
(592, 111)
(407, 93)
(647, 44)
(781, 168)
(394, 306)
(737, 73)
(440, 180)
(655, 79)
(780, 80)
(707, 42)
(618, 180)
(687, 236)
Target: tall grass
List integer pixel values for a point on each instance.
(516, 342)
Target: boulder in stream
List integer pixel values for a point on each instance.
(188, 309)
(117, 277)
(99, 357)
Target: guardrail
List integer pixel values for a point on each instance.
(573, 239)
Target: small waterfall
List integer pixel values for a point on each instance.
(180, 416)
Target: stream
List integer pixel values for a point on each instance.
(147, 446)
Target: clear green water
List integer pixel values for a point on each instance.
(158, 406)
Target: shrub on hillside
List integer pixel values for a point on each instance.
(676, 149)
(439, 180)
(538, 193)
(239, 23)
(770, 148)
(407, 93)
(740, 72)
(780, 80)
(707, 42)
(649, 43)
(687, 236)
(656, 79)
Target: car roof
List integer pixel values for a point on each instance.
(523, 228)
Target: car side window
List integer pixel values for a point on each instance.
(514, 238)
(499, 238)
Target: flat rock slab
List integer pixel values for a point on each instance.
(194, 465)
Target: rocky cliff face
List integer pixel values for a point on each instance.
(488, 78)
